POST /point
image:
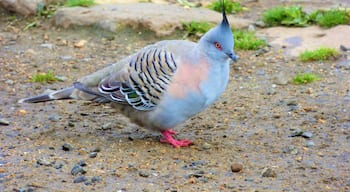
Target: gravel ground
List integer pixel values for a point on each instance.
(264, 134)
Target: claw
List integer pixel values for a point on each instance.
(168, 138)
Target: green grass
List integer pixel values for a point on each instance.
(48, 77)
(295, 16)
(196, 29)
(230, 6)
(304, 78)
(330, 18)
(81, 3)
(288, 16)
(246, 40)
(320, 54)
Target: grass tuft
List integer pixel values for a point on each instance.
(330, 18)
(48, 77)
(288, 16)
(81, 3)
(196, 29)
(295, 16)
(320, 54)
(230, 6)
(304, 78)
(246, 40)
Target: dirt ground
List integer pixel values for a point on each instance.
(264, 134)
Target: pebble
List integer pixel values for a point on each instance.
(310, 144)
(268, 172)
(290, 149)
(344, 64)
(80, 43)
(80, 179)
(250, 179)
(96, 179)
(251, 27)
(206, 146)
(82, 163)
(93, 154)
(77, 169)
(260, 24)
(47, 45)
(297, 132)
(44, 162)
(306, 134)
(54, 118)
(4, 122)
(65, 57)
(58, 166)
(106, 126)
(236, 167)
(143, 174)
(9, 82)
(29, 189)
(67, 147)
(61, 78)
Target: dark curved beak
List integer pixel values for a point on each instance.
(233, 56)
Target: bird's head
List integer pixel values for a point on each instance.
(219, 40)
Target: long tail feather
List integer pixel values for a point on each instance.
(55, 95)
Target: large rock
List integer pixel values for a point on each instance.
(296, 40)
(24, 7)
(160, 18)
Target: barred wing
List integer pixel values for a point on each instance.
(144, 82)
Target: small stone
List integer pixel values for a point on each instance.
(44, 162)
(80, 179)
(54, 118)
(206, 146)
(67, 147)
(96, 179)
(296, 133)
(82, 163)
(47, 45)
(4, 122)
(30, 52)
(96, 149)
(236, 167)
(80, 43)
(93, 154)
(143, 174)
(251, 27)
(249, 179)
(61, 78)
(306, 134)
(71, 124)
(29, 189)
(66, 57)
(9, 82)
(106, 126)
(310, 144)
(58, 166)
(268, 172)
(260, 23)
(77, 169)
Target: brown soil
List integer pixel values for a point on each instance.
(250, 125)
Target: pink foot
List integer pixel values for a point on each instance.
(168, 138)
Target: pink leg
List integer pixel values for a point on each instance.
(168, 138)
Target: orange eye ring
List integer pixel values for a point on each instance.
(218, 46)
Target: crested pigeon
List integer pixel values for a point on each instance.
(163, 84)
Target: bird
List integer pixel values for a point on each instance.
(161, 85)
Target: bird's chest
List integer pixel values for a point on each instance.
(193, 90)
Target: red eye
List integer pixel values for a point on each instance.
(218, 46)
